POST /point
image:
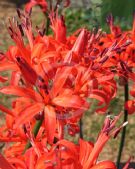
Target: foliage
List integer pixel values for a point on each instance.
(121, 10)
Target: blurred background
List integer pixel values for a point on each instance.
(89, 14)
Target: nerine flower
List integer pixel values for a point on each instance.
(65, 154)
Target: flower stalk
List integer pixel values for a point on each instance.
(81, 129)
(123, 135)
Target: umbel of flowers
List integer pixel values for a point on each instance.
(53, 77)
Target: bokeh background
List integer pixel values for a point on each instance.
(89, 14)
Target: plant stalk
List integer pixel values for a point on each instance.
(123, 135)
(47, 24)
(81, 129)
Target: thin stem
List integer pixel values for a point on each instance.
(123, 136)
(35, 132)
(81, 129)
(47, 24)
(37, 127)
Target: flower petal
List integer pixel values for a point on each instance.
(8, 66)
(59, 81)
(50, 123)
(72, 101)
(85, 150)
(28, 113)
(23, 92)
(5, 110)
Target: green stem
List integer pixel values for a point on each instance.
(123, 136)
(35, 132)
(81, 129)
(37, 127)
(47, 24)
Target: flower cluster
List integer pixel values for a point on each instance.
(53, 79)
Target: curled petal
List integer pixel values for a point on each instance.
(28, 113)
(29, 6)
(99, 95)
(23, 92)
(73, 101)
(32, 3)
